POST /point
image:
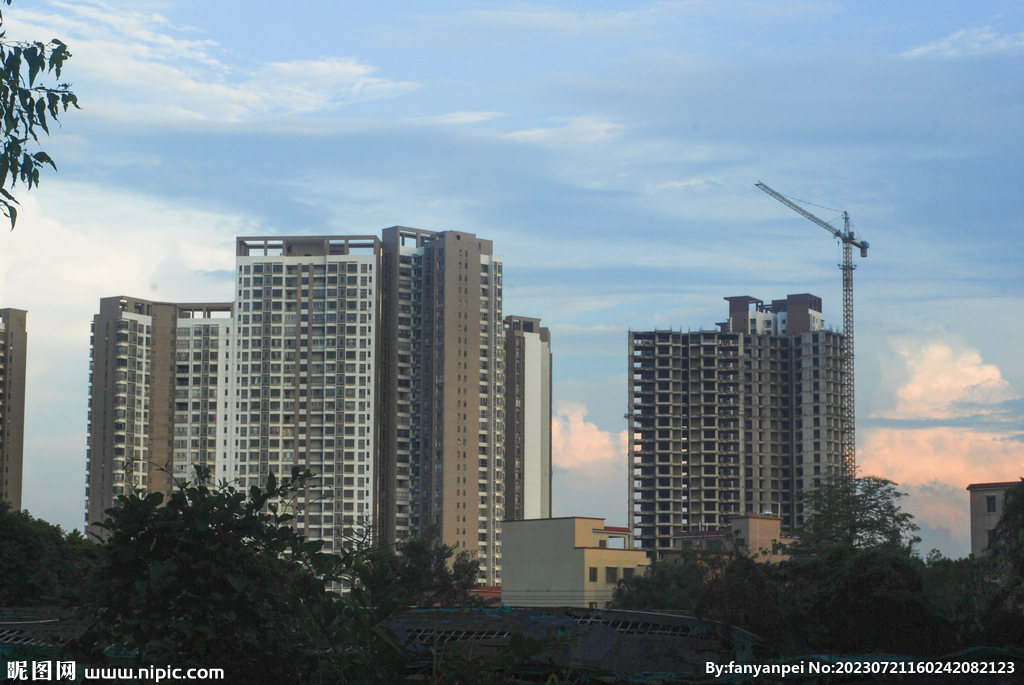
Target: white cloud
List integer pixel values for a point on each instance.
(656, 14)
(575, 442)
(463, 117)
(970, 42)
(144, 72)
(690, 183)
(576, 130)
(944, 383)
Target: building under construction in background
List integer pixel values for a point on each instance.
(737, 420)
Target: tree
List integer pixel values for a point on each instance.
(24, 108)
(677, 585)
(852, 601)
(425, 573)
(214, 577)
(859, 512)
(40, 564)
(1003, 622)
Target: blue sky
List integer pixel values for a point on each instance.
(609, 149)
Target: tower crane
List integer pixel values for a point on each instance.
(848, 435)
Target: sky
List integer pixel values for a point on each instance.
(610, 151)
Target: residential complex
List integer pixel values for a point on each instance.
(987, 502)
(566, 562)
(13, 346)
(737, 420)
(379, 365)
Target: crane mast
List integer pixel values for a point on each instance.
(848, 431)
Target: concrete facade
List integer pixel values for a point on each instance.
(987, 500)
(13, 351)
(153, 394)
(284, 376)
(566, 562)
(755, 536)
(303, 380)
(729, 422)
(442, 390)
(528, 418)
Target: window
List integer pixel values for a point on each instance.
(611, 574)
(627, 573)
(991, 537)
(990, 504)
(602, 543)
(593, 574)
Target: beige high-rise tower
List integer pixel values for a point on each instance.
(442, 387)
(13, 347)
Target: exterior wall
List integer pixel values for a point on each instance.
(201, 387)
(443, 382)
(547, 562)
(528, 412)
(756, 535)
(303, 378)
(759, 536)
(131, 403)
(726, 423)
(13, 350)
(984, 521)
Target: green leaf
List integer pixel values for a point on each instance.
(238, 580)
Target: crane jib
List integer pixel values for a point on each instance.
(848, 431)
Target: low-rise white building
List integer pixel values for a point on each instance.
(568, 562)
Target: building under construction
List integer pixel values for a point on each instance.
(737, 420)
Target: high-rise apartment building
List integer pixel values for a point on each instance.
(527, 419)
(284, 376)
(304, 375)
(378, 365)
(732, 421)
(442, 386)
(155, 382)
(13, 346)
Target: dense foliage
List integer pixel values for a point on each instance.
(1006, 552)
(26, 107)
(40, 564)
(854, 585)
(215, 577)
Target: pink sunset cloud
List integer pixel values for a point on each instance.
(935, 464)
(590, 466)
(576, 442)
